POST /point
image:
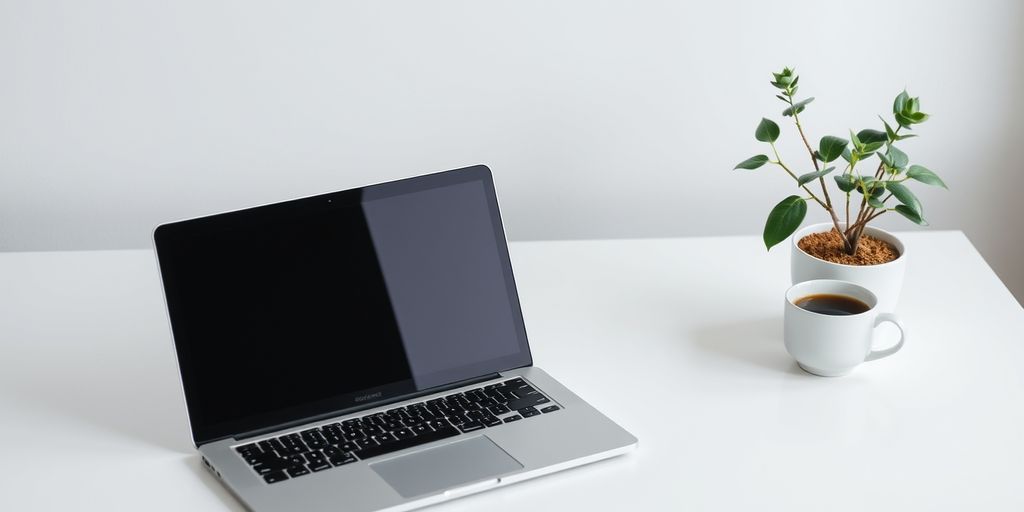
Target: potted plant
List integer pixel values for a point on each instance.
(846, 248)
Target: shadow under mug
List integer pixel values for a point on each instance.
(833, 345)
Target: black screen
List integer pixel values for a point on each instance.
(285, 312)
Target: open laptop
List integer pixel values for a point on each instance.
(365, 350)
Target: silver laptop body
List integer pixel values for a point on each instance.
(468, 412)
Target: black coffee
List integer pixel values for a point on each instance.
(831, 304)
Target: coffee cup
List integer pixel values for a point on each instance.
(829, 326)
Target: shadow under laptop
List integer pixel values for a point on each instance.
(755, 342)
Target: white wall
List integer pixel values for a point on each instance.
(599, 119)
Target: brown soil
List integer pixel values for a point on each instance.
(829, 247)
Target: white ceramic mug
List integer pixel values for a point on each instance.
(833, 345)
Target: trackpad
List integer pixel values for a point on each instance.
(446, 467)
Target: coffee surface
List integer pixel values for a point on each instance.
(831, 304)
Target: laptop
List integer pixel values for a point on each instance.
(365, 350)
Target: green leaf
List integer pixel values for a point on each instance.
(910, 214)
(898, 158)
(889, 132)
(900, 102)
(783, 220)
(831, 147)
(919, 173)
(797, 107)
(846, 154)
(871, 147)
(885, 160)
(875, 203)
(905, 196)
(811, 176)
(753, 162)
(868, 136)
(845, 182)
(856, 141)
(767, 130)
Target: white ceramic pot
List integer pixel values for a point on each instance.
(885, 280)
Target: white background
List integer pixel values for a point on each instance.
(599, 119)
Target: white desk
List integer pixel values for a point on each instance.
(677, 340)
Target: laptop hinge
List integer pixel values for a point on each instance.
(363, 407)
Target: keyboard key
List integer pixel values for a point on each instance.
(498, 410)
(275, 477)
(250, 448)
(385, 438)
(342, 460)
(512, 418)
(266, 469)
(470, 426)
(367, 443)
(403, 433)
(528, 411)
(320, 466)
(295, 449)
(550, 408)
(373, 451)
(295, 471)
(527, 401)
(412, 421)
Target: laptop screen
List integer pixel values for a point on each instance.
(295, 310)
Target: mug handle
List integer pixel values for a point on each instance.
(888, 317)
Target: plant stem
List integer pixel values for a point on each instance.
(800, 128)
(824, 190)
(847, 209)
(862, 224)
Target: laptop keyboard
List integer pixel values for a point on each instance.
(317, 449)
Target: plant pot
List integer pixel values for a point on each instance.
(885, 279)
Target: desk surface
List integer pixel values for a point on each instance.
(679, 340)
